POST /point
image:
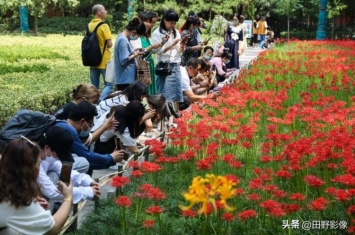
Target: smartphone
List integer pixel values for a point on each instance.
(112, 110)
(214, 67)
(126, 154)
(65, 173)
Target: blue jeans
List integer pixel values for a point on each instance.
(95, 80)
(262, 40)
(170, 86)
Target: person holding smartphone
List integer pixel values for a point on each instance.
(23, 211)
(57, 163)
(189, 34)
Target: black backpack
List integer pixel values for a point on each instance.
(90, 48)
(27, 123)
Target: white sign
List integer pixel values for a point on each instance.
(249, 24)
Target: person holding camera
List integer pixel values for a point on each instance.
(124, 54)
(220, 63)
(23, 211)
(55, 147)
(188, 72)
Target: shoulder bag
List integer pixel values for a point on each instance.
(110, 75)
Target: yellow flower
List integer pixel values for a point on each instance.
(207, 190)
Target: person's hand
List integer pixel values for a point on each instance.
(110, 123)
(67, 191)
(157, 45)
(239, 52)
(176, 41)
(214, 95)
(96, 191)
(199, 78)
(205, 83)
(149, 114)
(94, 183)
(117, 156)
(43, 202)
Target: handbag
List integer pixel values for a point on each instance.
(143, 71)
(110, 75)
(163, 69)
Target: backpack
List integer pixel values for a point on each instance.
(91, 54)
(27, 123)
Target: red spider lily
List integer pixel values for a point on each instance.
(228, 158)
(351, 210)
(124, 201)
(119, 181)
(233, 178)
(256, 183)
(189, 213)
(318, 204)
(283, 174)
(289, 208)
(133, 164)
(253, 197)
(346, 179)
(297, 197)
(239, 191)
(313, 181)
(146, 187)
(148, 223)
(247, 214)
(269, 204)
(155, 194)
(154, 210)
(204, 164)
(227, 217)
(137, 173)
(276, 212)
(150, 167)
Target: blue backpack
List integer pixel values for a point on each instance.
(28, 123)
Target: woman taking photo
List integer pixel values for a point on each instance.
(144, 42)
(124, 55)
(22, 209)
(168, 56)
(189, 32)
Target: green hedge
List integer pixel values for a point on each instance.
(38, 73)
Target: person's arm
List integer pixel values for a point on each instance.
(107, 35)
(124, 55)
(63, 212)
(109, 43)
(219, 67)
(109, 122)
(50, 190)
(157, 37)
(195, 98)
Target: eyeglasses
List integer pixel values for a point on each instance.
(29, 141)
(91, 124)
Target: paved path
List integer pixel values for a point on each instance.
(250, 54)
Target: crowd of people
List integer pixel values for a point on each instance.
(98, 130)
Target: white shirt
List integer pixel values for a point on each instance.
(32, 219)
(185, 80)
(106, 105)
(126, 138)
(81, 182)
(172, 55)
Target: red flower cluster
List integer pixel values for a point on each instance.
(313, 181)
(124, 201)
(119, 181)
(247, 214)
(150, 167)
(154, 210)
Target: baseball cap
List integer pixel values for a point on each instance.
(60, 141)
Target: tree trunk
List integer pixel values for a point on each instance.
(322, 21)
(36, 25)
